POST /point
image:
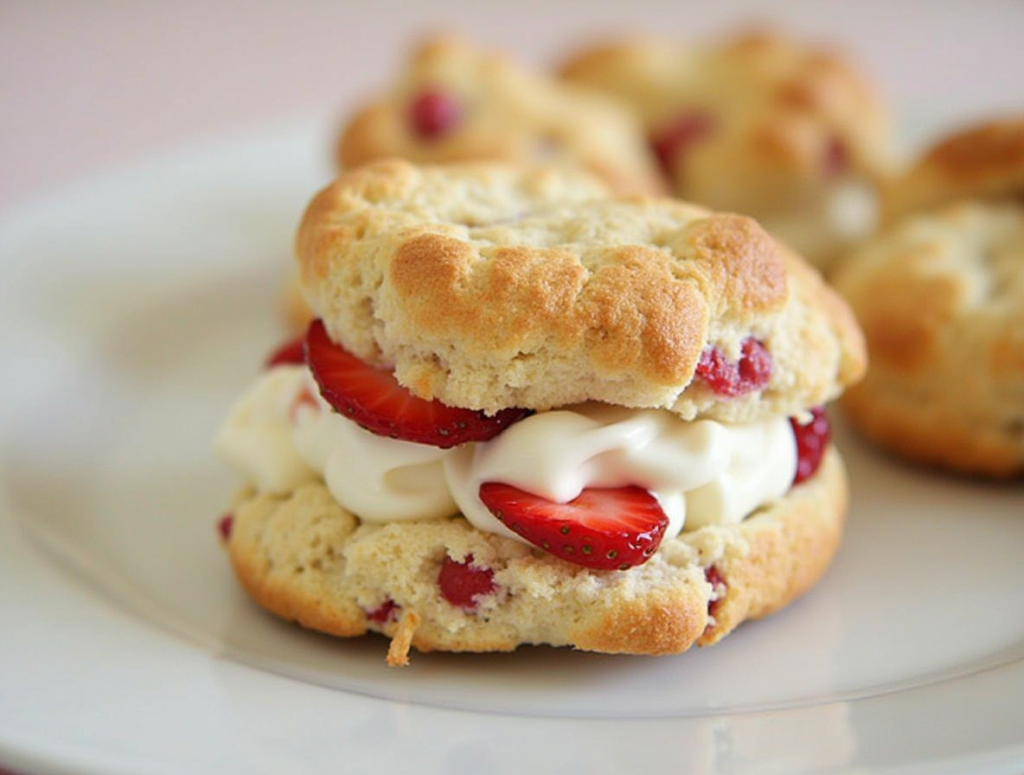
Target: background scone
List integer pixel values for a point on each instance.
(940, 295)
(456, 102)
(760, 124)
(534, 413)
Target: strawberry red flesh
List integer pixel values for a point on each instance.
(462, 582)
(224, 525)
(384, 613)
(373, 398)
(812, 440)
(752, 372)
(605, 528)
(289, 353)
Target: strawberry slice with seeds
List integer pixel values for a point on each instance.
(373, 398)
(605, 528)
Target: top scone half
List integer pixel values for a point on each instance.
(531, 412)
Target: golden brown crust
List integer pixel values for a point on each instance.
(508, 114)
(487, 286)
(307, 560)
(981, 162)
(790, 129)
(941, 300)
(935, 438)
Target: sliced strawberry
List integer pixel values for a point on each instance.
(605, 528)
(289, 353)
(811, 442)
(374, 399)
(462, 582)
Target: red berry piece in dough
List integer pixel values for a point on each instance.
(224, 525)
(289, 353)
(373, 398)
(812, 440)
(606, 528)
(837, 157)
(433, 113)
(676, 139)
(750, 373)
(384, 613)
(717, 582)
(461, 582)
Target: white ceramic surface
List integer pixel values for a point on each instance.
(135, 307)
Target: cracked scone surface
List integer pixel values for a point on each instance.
(775, 125)
(487, 286)
(504, 112)
(308, 560)
(941, 299)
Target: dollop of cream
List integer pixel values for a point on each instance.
(282, 433)
(701, 472)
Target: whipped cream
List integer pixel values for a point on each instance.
(282, 434)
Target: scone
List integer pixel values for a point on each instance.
(530, 412)
(760, 124)
(456, 102)
(940, 294)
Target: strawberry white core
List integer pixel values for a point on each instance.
(701, 472)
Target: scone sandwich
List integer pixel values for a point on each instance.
(530, 412)
(940, 293)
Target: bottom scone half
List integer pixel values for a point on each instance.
(443, 585)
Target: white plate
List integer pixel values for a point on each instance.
(135, 308)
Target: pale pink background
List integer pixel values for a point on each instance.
(84, 86)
